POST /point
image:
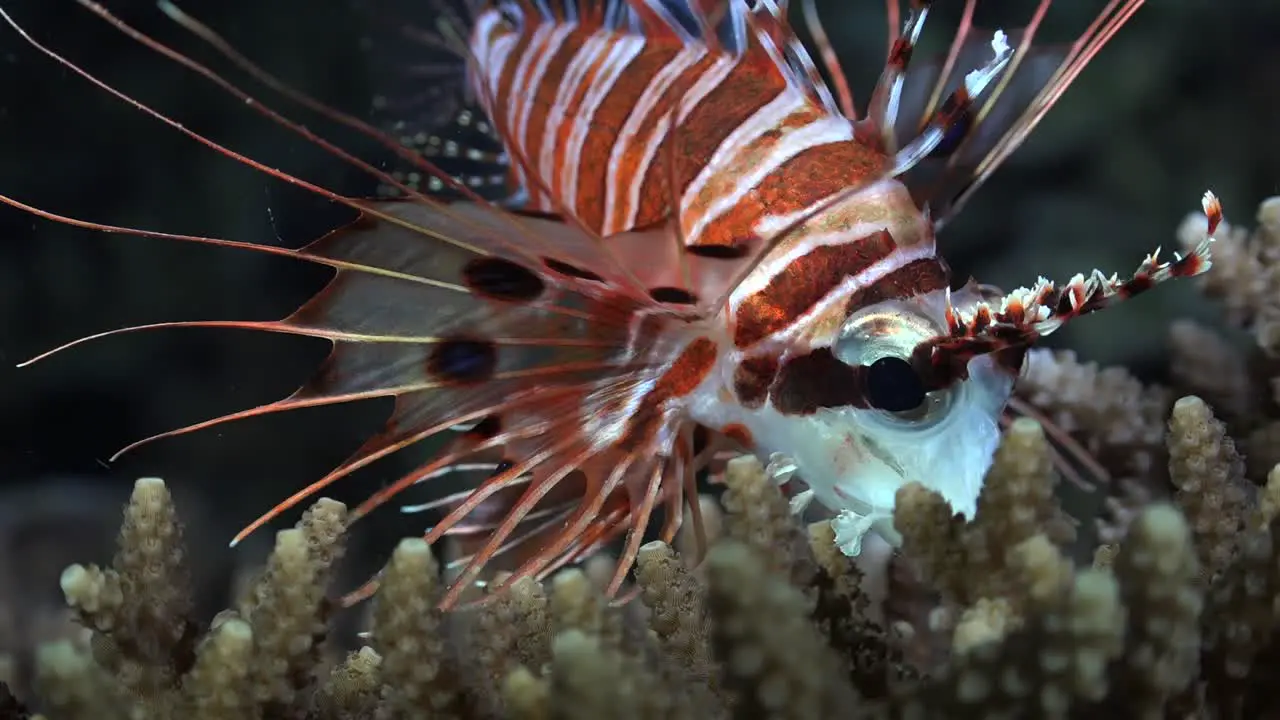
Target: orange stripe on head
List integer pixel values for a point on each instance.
(749, 86)
(800, 286)
(914, 278)
(544, 94)
(563, 133)
(652, 204)
(506, 77)
(752, 84)
(802, 181)
(753, 153)
(688, 371)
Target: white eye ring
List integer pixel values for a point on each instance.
(931, 412)
(893, 330)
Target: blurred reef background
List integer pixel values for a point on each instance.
(1186, 98)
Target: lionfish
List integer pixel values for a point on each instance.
(699, 244)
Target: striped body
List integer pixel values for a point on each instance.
(600, 116)
(737, 253)
(592, 112)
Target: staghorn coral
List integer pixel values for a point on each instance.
(746, 634)
(1245, 274)
(1116, 418)
(1176, 616)
(968, 560)
(1209, 475)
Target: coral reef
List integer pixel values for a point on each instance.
(774, 624)
(1169, 610)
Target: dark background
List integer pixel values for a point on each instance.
(1186, 98)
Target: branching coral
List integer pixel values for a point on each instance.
(970, 560)
(748, 634)
(1175, 617)
(1245, 274)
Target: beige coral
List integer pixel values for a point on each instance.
(1209, 475)
(1244, 275)
(971, 560)
(1111, 413)
(754, 632)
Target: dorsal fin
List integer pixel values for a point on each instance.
(663, 19)
(768, 26)
(987, 128)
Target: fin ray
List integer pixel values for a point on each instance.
(459, 313)
(995, 124)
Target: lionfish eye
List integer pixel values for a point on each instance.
(894, 386)
(880, 340)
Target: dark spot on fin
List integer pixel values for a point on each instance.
(464, 361)
(487, 428)
(568, 270)
(673, 295)
(502, 279)
(719, 252)
(537, 215)
(957, 130)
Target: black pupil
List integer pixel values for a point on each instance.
(894, 386)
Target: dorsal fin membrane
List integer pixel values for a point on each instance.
(720, 24)
(1033, 80)
(769, 26)
(656, 19)
(767, 18)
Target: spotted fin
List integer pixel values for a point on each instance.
(417, 58)
(466, 148)
(417, 63)
(465, 314)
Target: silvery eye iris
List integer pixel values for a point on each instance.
(881, 341)
(894, 386)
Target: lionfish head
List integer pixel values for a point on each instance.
(934, 374)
